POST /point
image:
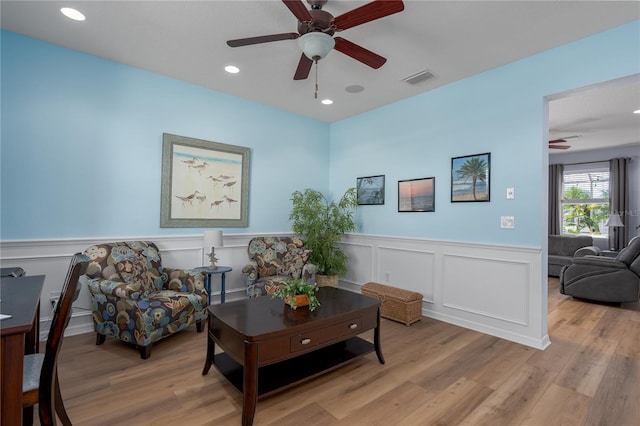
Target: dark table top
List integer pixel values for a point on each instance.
(19, 298)
(263, 315)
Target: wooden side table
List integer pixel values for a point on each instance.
(222, 270)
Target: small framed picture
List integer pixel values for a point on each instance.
(470, 178)
(417, 195)
(370, 190)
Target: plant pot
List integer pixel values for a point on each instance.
(300, 300)
(326, 280)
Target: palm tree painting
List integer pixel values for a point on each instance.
(470, 178)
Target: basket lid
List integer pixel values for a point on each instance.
(392, 292)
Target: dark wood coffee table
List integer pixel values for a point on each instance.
(269, 347)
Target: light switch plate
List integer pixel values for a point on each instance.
(511, 193)
(507, 222)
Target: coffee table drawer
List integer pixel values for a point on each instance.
(330, 334)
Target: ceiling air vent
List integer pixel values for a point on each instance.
(419, 77)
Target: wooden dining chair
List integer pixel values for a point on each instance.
(40, 378)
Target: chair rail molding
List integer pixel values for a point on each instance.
(493, 289)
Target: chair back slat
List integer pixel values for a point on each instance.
(61, 317)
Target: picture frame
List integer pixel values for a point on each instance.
(204, 184)
(471, 178)
(417, 195)
(370, 190)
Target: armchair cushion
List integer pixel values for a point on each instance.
(294, 261)
(135, 299)
(268, 264)
(273, 260)
(587, 251)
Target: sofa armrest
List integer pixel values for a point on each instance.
(587, 251)
(134, 290)
(599, 262)
(251, 271)
(184, 280)
(309, 271)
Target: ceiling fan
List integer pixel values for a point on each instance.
(552, 144)
(316, 28)
(555, 143)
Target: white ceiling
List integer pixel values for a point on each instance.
(452, 39)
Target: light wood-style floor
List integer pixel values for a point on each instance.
(435, 374)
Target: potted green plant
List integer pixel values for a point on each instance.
(321, 224)
(297, 292)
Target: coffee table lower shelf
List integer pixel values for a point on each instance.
(277, 377)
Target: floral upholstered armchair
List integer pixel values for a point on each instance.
(273, 260)
(136, 299)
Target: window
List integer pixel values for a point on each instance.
(585, 199)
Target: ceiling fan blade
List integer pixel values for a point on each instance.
(369, 12)
(262, 39)
(359, 53)
(304, 67)
(559, 146)
(299, 10)
(558, 141)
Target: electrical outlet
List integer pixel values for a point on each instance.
(511, 193)
(507, 222)
(54, 296)
(387, 277)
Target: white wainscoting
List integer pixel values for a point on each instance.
(498, 290)
(51, 258)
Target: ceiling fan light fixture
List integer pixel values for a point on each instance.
(316, 45)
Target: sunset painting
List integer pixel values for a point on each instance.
(416, 195)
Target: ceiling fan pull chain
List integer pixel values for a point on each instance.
(316, 94)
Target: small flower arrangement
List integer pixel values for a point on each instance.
(298, 287)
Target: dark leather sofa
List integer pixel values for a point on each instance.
(562, 249)
(605, 279)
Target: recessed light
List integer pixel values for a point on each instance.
(354, 88)
(327, 101)
(72, 14)
(232, 69)
(636, 111)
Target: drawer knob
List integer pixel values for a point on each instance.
(353, 326)
(305, 341)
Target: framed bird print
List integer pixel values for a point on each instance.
(204, 184)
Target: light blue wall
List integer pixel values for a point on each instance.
(82, 145)
(501, 111)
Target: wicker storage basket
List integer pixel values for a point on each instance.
(397, 304)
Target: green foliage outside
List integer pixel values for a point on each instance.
(578, 217)
(321, 224)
